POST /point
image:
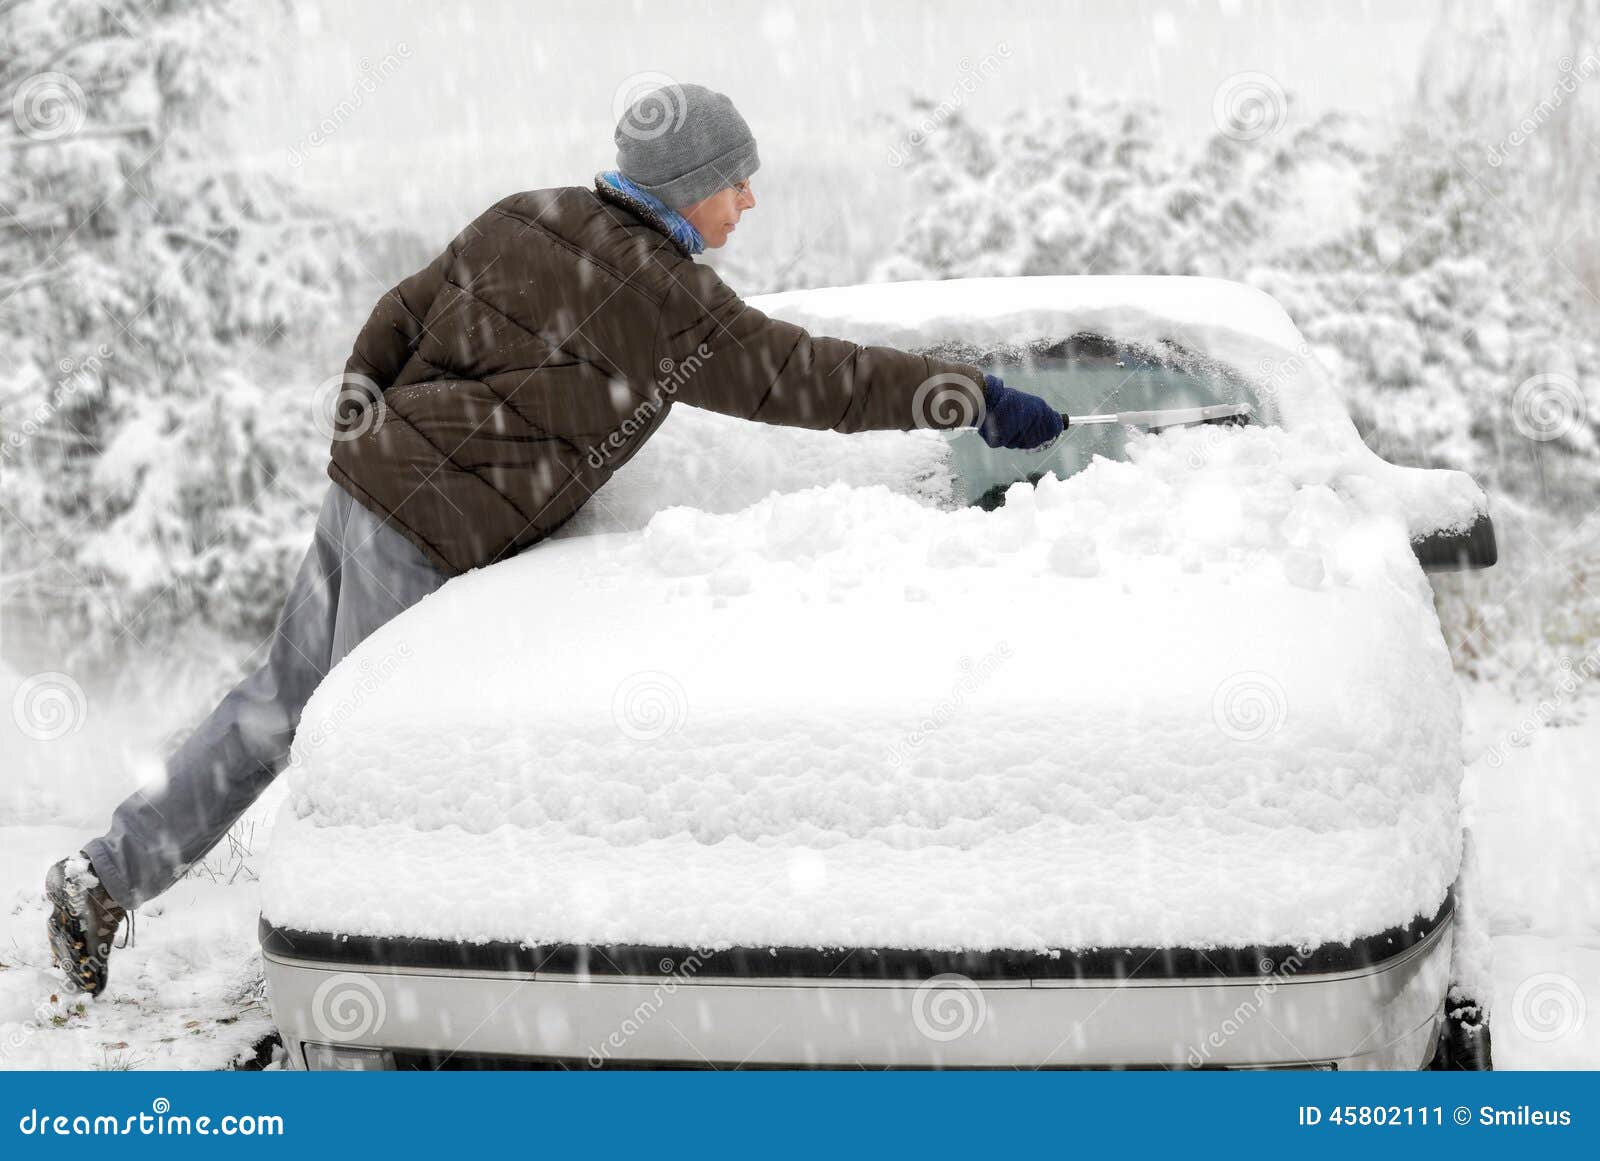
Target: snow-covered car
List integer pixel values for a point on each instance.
(890, 750)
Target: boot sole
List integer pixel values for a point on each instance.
(67, 941)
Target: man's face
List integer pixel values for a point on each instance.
(716, 216)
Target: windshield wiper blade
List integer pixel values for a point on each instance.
(1234, 413)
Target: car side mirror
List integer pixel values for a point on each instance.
(1446, 511)
(1456, 549)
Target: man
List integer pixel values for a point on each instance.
(487, 398)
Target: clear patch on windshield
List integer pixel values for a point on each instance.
(1087, 375)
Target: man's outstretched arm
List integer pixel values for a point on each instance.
(716, 352)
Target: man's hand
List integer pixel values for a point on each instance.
(1016, 419)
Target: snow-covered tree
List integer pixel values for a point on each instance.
(1526, 77)
(1097, 187)
(1409, 273)
(149, 477)
(1454, 344)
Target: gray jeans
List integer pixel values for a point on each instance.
(358, 574)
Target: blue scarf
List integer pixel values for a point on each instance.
(677, 226)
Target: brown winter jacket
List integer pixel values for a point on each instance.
(536, 355)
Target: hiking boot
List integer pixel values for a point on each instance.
(83, 921)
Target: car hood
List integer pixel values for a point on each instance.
(1200, 698)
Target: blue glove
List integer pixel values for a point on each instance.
(1016, 419)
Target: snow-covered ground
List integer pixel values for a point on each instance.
(1533, 802)
(187, 994)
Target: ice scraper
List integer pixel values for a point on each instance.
(1220, 413)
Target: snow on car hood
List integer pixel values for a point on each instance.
(1199, 698)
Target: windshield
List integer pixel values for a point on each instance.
(1088, 375)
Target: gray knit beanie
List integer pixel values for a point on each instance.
(683, 143)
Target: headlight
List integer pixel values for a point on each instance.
(347, 1058)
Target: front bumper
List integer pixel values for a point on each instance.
(1374, 1003)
